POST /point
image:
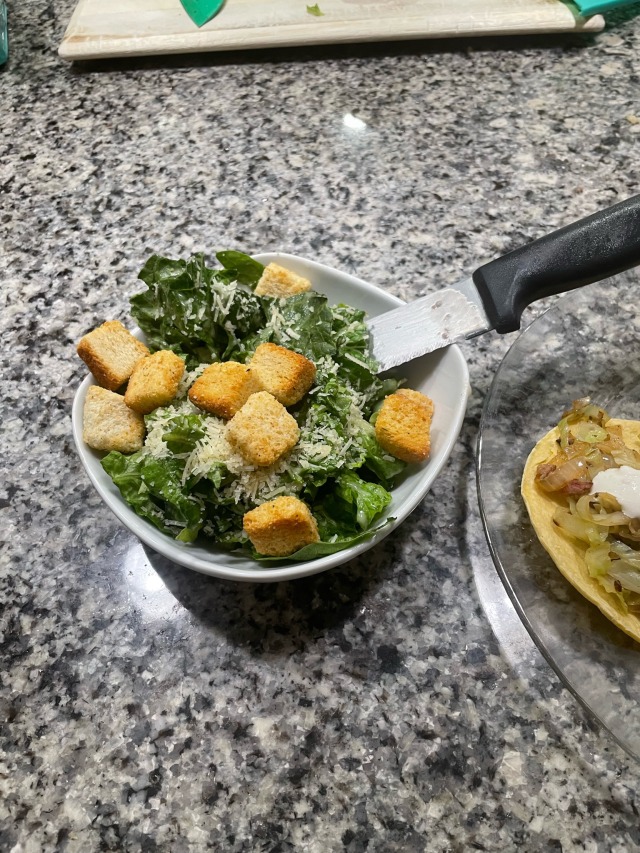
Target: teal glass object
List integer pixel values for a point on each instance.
(4, 35)
(595, 7)
(201, 11)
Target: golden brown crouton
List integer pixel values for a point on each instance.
(111, 352)
(278, 281)
(223, 388)
(109, 424)
(282, 372)
(262, 430)
(403, 425)
(280, 527)
(154, 381)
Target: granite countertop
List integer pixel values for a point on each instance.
(393, 704)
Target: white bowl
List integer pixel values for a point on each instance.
(442, 375)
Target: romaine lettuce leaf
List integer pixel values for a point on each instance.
(302, 323)
(310, 318)
(380, 463)
(153, 488)
(183, 432)
(194, 310)
(241, 267)
(224, 524)
(355, 502)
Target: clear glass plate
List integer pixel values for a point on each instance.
(586, 344)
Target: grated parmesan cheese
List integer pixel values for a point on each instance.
(157, 427)
(188, 378)
(249, 484)
(276, 320)
(327, 365)
(357, 361)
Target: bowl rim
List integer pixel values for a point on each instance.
(177, 552)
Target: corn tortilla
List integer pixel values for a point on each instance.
(565, 551)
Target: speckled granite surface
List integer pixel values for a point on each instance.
(144, 707)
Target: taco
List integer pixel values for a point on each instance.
(592, 541)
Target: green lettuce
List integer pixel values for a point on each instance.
(338, 468)
(240, 267)
(182, 432)
(153, 488)
(362, 500)
(193, 310)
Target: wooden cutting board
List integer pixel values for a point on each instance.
(141, 27)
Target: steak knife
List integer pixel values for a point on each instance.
(495, 295)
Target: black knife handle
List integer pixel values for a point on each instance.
(588, 250)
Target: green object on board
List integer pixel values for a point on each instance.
(4, 36)
(595, 7)
(201, 11)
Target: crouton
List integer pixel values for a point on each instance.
(262, 430)
(282, 372)
(109, 424)
(403, 425)
(223, 388)
(154, 381)
(280, 527)
(111, 352)
(278, 281)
